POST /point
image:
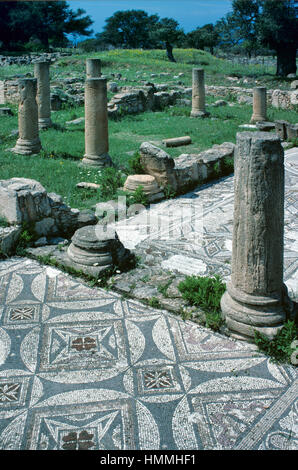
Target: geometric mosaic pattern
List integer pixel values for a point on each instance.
(192, 234)
(82, 368)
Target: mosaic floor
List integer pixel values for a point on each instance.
(192, 234)
(82, 368)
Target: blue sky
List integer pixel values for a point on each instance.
(188, 13)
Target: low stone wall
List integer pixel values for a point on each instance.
(284, 99)
(131, 100)
(61, 92)
(9, 91)
(31, 58)
(24, 200)
(8, 239)
(188, 170)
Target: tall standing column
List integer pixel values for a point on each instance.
(93, 68)
(256, 294)
(96, 123)
(198, 94)
(28, 141)
(42, 74)
(259, 104)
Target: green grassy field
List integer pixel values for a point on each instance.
(56, 167)
(128, 62)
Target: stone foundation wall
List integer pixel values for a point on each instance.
(8, 239)
(31, 58)
(284, 99)
(25, 200)
(9, 91)
(186, 171)
(131, 100)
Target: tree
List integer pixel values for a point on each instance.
(245, 17)
(49, 22)
(133, 29)
(10, 34)
(270, 23)
(228, 32)
(166, 32)
(128, 29)
(206, 36)
(278, 29)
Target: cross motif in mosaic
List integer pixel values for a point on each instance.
(84, 344)
(9, 392)
(78, 441)
(157, 379)
(21, 314)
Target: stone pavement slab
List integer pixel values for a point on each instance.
(83, 368)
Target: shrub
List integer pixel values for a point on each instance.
(154, 302)
(3, 223)
(205, 292)
(138, 197)
(135, 166)
(227, 166)
(26, 238)
(169, 192)
(280, 347)
(110, 181)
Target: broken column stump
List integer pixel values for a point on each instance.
(198, 94)
(93, 68)
(259, 105)
(95, 250)
(28, 142)
(148, 184)
(255, 297)
(96, 124)
(42, 74)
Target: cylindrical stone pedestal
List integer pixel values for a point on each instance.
(255, 296)
(259, 104)
(96, 123)
(42, 74)
(93, 68)
(28, 142)
(198, 94)
(95, 250)
(149, 186)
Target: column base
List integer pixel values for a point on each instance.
(90, 258)
(257, 118)
(27, 147)
(44, 123)
(244, 313)
(99, 161)
(199, 114)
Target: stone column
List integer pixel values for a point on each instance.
(198, 94)
(259, 104)
(96, 123)
(28, 141)
(42, 74)
(255, 297)
(93, 68)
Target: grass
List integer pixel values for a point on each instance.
(57, 167)
(145, 62)
(154, 302)
(163, 288)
